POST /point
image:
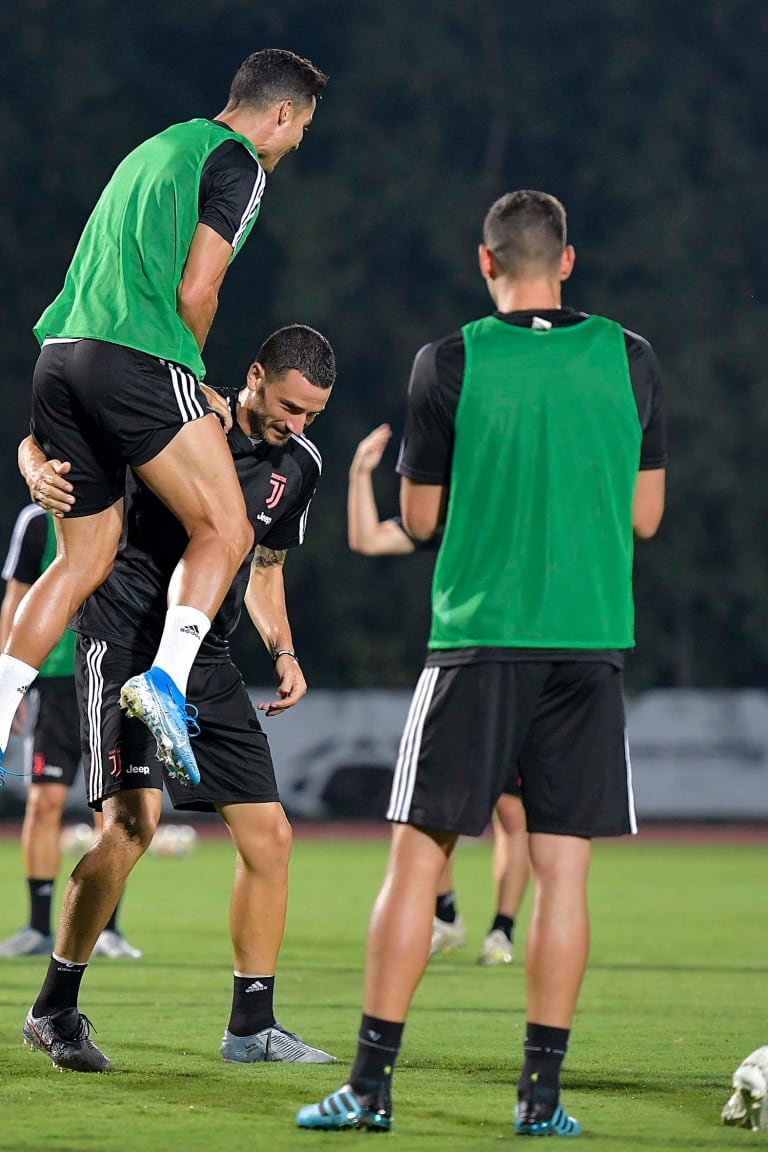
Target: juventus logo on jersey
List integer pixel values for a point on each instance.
(277, 483)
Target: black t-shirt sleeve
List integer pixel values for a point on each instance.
(289, 531)
(231, 186)
(24, 561)
(430, 545)
(647, 385)
(433, 396)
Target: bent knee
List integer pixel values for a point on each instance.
(134, 824)
(45, 802)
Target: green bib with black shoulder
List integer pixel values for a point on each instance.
(61, 661)
(538, 543)
(121, 284)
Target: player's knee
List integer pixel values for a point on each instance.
(241, 538)
(282, 840)
(135, 826)
(44, 804)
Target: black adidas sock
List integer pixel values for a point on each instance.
(445, 908)
(378, 1044)
(544, 1050)
(506, 924)
(252, 1004)
(60, 989)
(40, 893)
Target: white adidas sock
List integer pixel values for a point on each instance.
(16, 677)
(184, 631)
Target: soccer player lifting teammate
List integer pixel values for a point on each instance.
(118, 378)
(537, 435)
(278, 467)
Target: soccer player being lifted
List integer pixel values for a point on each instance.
(117, 381)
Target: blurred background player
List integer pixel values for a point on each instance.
(56, 749)
(371, 536)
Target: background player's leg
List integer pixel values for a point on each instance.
(448, 929)
(510, 877)
(86, 551)
(40, 837)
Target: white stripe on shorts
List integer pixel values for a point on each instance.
(94, 699)
(184, 390)
(630, 789)
(404, 778)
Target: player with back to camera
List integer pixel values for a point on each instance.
(286, 387)
(55, 751)
(117, 381)
(536, 434)
(370, 536)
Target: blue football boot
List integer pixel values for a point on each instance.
(154, 699)
(348, 1109)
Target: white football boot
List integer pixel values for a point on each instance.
(748, 1106)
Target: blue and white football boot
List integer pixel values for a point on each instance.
(154, 699)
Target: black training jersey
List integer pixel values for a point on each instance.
(435, 387)
(129, 608)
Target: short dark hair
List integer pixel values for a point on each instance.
(525, 228)
(274, 74)
(300, 347)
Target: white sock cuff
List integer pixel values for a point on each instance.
(18, 669)
(182, 614)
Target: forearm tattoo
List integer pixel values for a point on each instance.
(267, 557)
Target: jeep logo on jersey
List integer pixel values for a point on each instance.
(278, 483)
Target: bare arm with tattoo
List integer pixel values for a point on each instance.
(265, 603)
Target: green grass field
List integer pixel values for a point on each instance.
(674, 998)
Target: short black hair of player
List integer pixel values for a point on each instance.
(274, 74)
(526, 229)
(301, 347)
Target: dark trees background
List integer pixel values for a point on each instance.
(647, 118)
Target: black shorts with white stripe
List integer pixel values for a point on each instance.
(56, 741)
(103, 407)
(558, 729)
(231, 749)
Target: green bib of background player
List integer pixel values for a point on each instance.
(537, 411)
(61, 661)
(121, 284)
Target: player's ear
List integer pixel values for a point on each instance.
(284, 110)
(256, 376)
(567, 261)
(485, 260)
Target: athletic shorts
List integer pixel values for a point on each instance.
(101, 407)
(231, 750)
(56, 735)
(558, 727)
